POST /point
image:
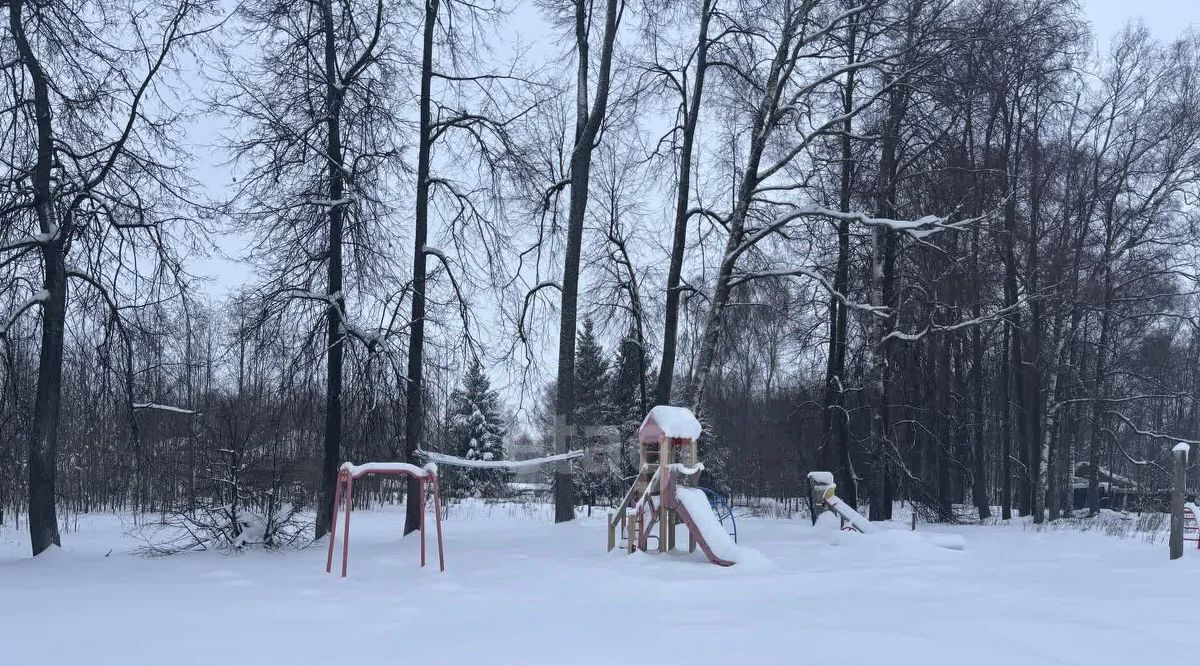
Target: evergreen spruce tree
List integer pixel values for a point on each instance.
(626, 401)
(591, 378)
(593, 410)
(477, 432)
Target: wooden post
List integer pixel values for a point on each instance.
(634, 534)
(437, 519)
(664, 518)
(349, 499)
(672, 515)
(818, 484)
(693, 460)
(1180, 453)
(337, 505)
(423, 483)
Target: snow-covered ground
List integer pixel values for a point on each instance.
(518, 590)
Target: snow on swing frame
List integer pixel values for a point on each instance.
(425, 476)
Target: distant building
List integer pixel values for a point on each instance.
(1117, 492)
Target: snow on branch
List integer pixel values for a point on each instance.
(1116, 441)
(330, 204)
(335, 300)
(1056, 406)
(86, 277)
(1150, 433)
(444, 459)
(31, 241)
(544, 284)
(37, 299)
(428, 249)
(877, 310)
(946, 328)
(687, 470)
(918, 229)
(163, 408)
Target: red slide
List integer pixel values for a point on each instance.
(704, 526)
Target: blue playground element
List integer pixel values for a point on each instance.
(723, 508)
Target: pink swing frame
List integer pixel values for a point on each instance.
(344, 500)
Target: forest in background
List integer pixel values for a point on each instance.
(943, 248)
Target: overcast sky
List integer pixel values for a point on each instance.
(1165, 18)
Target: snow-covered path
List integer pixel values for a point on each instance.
(520, 591)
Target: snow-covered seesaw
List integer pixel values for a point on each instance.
(824, 492)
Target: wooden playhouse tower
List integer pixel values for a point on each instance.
(667, 457)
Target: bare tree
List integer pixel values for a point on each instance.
(589, 118)
(317, 151)
(90, 188)
(688, 120)
(466, 109)
(785, 119)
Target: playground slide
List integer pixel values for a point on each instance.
(847, 513)
(703, 524)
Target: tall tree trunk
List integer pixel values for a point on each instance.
(883, 294)
(1016, 373)
(835, 420)
(414, 410)
(1035, 403)
(1015, 377)
(337, 302)
(942, 397)
(587, 126)
(979, 488)
(1060, 494)
(666, 371)
(43, 441)
(979, 466)
(1101, 377)
(1100, 384)
(760, 130)
(43, 436)
(1006, 425)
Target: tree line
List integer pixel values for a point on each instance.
(942, 248)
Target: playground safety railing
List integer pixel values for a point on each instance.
(723, 509)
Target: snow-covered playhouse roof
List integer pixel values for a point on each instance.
(670, 421)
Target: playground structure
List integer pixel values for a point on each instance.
(1191, 527)
(426, 476)
(667, 458)
(824, 494)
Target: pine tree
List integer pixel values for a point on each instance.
(591, 378)
(593, 410)
(477, 431)
(629, 377)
